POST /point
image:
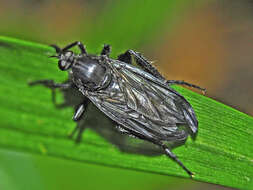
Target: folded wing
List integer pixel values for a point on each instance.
(146, 106)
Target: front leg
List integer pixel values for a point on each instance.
(77, 43)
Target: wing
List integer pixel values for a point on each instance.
(145, 105)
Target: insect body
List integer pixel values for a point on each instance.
(139, 100)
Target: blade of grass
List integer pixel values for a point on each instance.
(222, 153)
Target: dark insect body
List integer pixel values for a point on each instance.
(139, 100)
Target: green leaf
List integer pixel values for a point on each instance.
(222, 153)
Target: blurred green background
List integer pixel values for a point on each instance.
(208, 43)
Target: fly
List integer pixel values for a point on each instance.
(138, 99)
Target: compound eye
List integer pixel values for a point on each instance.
(62, 64)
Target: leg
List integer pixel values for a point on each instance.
(157, 142)
(106, 50)
(57, 49)
(146, 65)
(51, 84)
(79, 129)
(77, 43)
(131, 56)
(80, 110)
(125, 132)
(181, 82)
(174, 157)
(77, 117)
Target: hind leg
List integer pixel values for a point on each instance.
(131, 57)
(159, 143)
(174, 157)
(181, 82)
